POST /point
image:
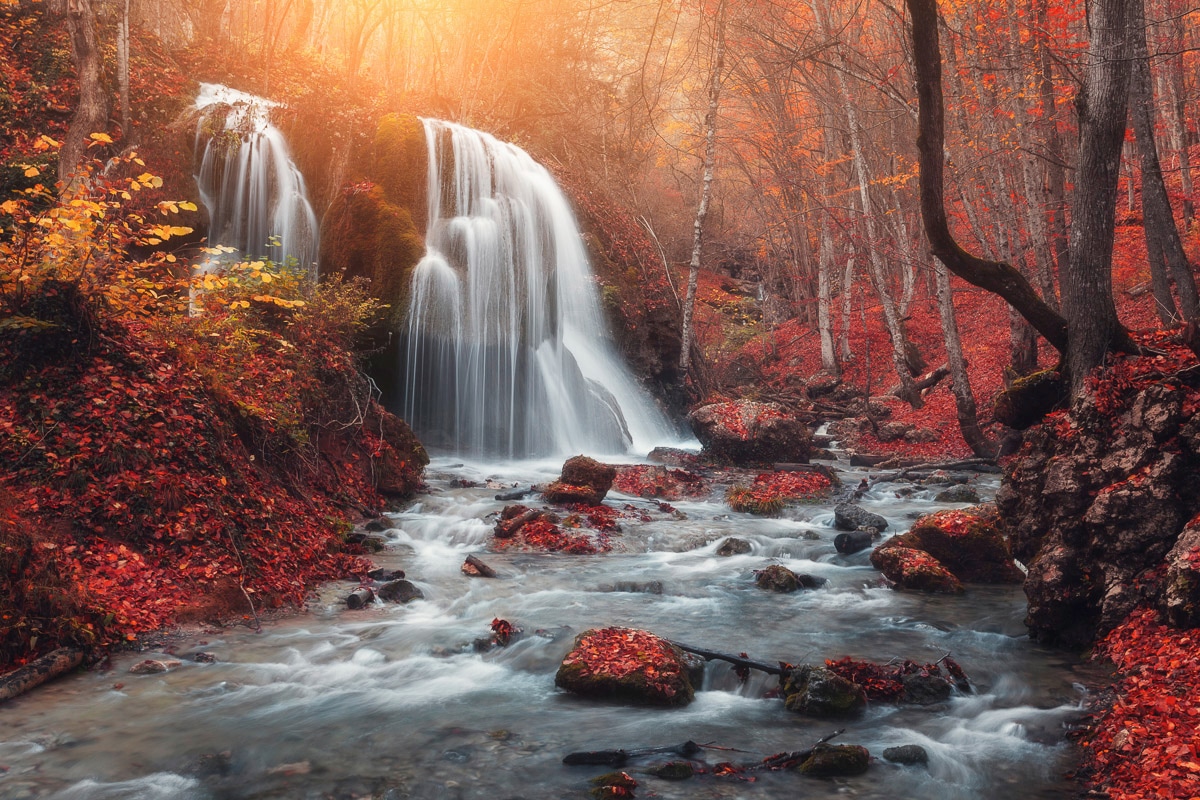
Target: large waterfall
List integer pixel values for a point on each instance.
(506, 352)
(255, 195)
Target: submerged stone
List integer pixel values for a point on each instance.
(836, 761)
(820, 692)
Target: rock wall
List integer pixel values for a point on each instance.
(1096, 500)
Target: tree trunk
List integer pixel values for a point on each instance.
(91, 116)
(995, 276)
(1175, 93)
(34, 674)
(710, 157)
(123, 72)
(891, 317)
(1056, 179)
(829, 360)
(847, 305)
(1087, 287)
(964, 398)
(1162, 237)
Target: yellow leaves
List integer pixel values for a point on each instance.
(32, 172)
(99, 138)
(164, 232)
(44, 142)
(175, 206)
(10, 207)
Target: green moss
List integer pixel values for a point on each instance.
(367, 236)
(1030, 398)
(402, 163)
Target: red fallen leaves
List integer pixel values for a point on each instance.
(1144, 742)
(731, 416)
(613, 656)
(650, 481)
(503, 631)
(543, 535)
(886, 681)
(769, 492)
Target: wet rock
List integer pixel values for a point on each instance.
(612, 785)
(907, 754)
(892, 431)
(371, 542)
(674, 771)
(204, 658)
(674, 457)
(402, 459)
(213, 765)
(360, 598)
(153, 666)
(914, 569)
(836, 761)
(583, 480)
(957, 494)
(925, 690)
(776, 578)
(384, 575)
(849, 517)
(400, 591)
(750, 432)
(1181, 595)
(378, 525)
(638, 587)
(853, 542)
(515, 494)
(819, 692)
(626, 665)
(474, 567)
(967, 542)
(810, 536)
(734, 547)
(810, 581)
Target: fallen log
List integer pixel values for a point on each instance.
(360, 598)
(927, 381)
(973, 464)
(740, 661)
(37, 672)
(474, 567)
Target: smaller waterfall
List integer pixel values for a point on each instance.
(255, 195)
(506, 352)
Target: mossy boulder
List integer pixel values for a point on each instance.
(1029, 399)
(836, 761)
(820, 692)
(913, 569)
(402, 164)
(626, 665)
(1181, 592)
(967, 542)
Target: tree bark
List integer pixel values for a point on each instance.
(995, 276)
(960, 383)
(710, 158)
(58, 662)
(91, 116)
(123, 72)
(1162, 237)
(1087, 288)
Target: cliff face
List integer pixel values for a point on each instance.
(1101, 502)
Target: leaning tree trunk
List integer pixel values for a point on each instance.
(1087, 287)
(710, 158)
(91, 115)
(1162, 237)
(964, 398)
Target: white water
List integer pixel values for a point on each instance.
(507, 353)
(255, 195)
(392, 702)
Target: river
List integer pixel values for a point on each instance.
(394, 702)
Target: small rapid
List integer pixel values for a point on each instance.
(395, 702)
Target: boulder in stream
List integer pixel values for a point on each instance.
(820, 692)
(907, 754)
(583, 480)
(967, 542)
(626, 665)
(734, 546)
(960, 493)
(835, 761)
(400, 591)
(914, 569)
(750, 432)
(849, 517)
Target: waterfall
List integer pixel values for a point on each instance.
(255, 196)
(506, 352)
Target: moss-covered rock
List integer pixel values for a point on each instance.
(820, 692)
(402, 164)
(914, 569)
(776, 578)
(836, 761)
(1029, 399)
(626, 665)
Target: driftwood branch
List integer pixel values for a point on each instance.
(618, 758)
(712, 655)
(787, 760)
(926, 381)
(59, 662)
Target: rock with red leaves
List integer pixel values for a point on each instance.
(626, 665)
(583, 480)
(913, 569)
(750, 432)
(1181, 597)
(967, 542)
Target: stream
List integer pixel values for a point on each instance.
(393, 701)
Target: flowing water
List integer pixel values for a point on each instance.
(255, 195)
(393, 702)
(506, 351)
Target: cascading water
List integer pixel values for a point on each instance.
(255, 195)
(506, 352)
